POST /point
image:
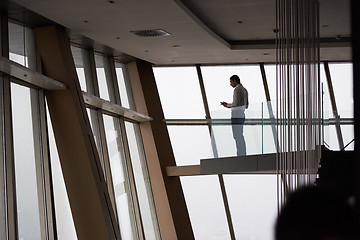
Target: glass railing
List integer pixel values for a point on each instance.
(338, 132)
(256, 129)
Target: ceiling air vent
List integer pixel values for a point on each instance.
(151, 33)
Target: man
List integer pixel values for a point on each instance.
(238, 106)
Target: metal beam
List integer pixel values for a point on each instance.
(333, 105)
(89, 198)
(113, 108)
(172, 213)
(29, 76)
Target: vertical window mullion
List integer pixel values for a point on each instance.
(39, 161)
(130, 175)
(105, 150)
(90, 72)
(8, 209)
(114, 94)
(111, 80)
(49, 203)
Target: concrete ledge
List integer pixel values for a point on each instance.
(264, 163)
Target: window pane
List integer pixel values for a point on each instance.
(179, 92)
(342, 80)
(206, 208)
(218, 89)
(79, 65)
(94, 122)
(142, 183)
(28, 195)
(190, 144)
(22, 45)
(119, 178)
(101, 77)
(253, 205)
(123, 87)
(64, 221)
(270, 71)
(348, 136)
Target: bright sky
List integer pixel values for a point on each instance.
(252, 198)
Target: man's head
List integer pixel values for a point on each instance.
(234, 80)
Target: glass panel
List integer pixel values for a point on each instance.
(22, 45)
(79, 65)
(253, 205)
(64, 221)
(123, 88)
(270, 71)
(101, 77)
(245, 135)
(119, 178)
(142, 183)
(94, 122)
(218, 89)
(342, 80)
(190, 144)
(348, 137)
(179, 92)
(206, 208)
(28, 194)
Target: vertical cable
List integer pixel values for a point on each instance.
(298, 94)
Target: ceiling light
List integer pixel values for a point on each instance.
(151, 33)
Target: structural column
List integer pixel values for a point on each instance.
(169, 200)
(355, 28)
(84, 179)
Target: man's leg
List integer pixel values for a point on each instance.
(237, 128)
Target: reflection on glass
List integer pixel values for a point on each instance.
(142, 184)
(94, 122)
(120, 74)
(217, 84)
(179, 92)
(253, 205)
(259, 130)
(21, 45)
(28, 194)
(79, 65)
(206, 208)
(119, 178)
(64, 221)
(101, 77)
(190, 144)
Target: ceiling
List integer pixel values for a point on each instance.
(201, 32)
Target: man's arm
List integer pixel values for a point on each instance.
(225, 104)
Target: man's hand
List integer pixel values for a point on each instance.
(225, 104)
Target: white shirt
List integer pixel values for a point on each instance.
(240, 97)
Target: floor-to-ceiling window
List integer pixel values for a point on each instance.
(250, 198)
(34, 203)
